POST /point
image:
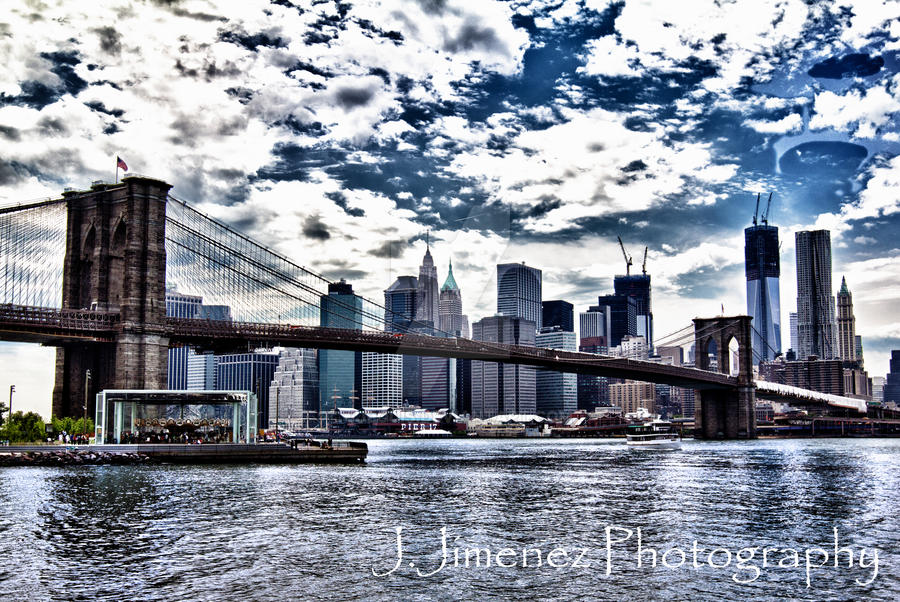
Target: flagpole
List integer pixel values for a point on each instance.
(117, 170)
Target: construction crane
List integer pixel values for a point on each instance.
(644, 265)
(765, 216)
(627, 258)
(755, 211)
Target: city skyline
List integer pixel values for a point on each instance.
(341, 135)
(381, 384)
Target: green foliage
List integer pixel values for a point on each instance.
(71, 425)
(62, 425)
(84, 427)
(24, 428)
(3, 410)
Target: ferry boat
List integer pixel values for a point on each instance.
(657, 434)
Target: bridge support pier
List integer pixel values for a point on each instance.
(142, 361)
(725, 413)
(115, 261)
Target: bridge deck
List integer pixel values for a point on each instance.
(52, 326)
(235, 335)
(776, 391)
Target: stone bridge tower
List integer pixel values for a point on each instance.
(725, 413)
(115, 261)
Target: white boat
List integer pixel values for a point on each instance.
(657, 434)
(431, 433)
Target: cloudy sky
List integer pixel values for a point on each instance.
(340, 133)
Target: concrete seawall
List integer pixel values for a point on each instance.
(58, 455)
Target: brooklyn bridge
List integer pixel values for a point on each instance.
(87, 273)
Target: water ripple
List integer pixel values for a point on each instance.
(316, 532)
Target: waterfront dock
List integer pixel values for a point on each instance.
(305, 452)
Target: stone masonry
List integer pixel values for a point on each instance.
(725, 414)
(115, 261)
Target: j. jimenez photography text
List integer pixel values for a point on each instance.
(618, 547)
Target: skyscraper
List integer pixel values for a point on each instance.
(631, 347)
(631, 395)
(463, 402)
(623, 316)
(825, 376)
(220, 313)
(401, 300)
(519, 292)
(593, 390)
(556, 392)
(596, 322)
(816, 327)
(795, 336)
(427, 303)
(201, 371)
(451, 317)
(382, 380)
(676, 354)
(294, 390)
(846, 324)
(637, 287)
(558, 313)
(673, 356)
(179, 305)
(595, 326)
(499, 388)
(891, 389)
(440, 376)
(187, 369)
(762, 267)
(249, 372)
(340, 372)
(859, 348)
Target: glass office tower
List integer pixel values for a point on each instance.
(519, 292)
(340, 372)
(816, 325)
(763, 268)
(637, 287)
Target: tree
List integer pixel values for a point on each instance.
(3, 410)
(82, 427)
(24, 428)
(63, 425)
(71, 425)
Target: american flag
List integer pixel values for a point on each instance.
(121, 164)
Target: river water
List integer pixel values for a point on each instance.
(318, 532)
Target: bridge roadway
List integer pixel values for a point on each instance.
(797, 396)
(49, 326)
(54, 326)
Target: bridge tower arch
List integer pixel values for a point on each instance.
(115, 261)
(725, 413)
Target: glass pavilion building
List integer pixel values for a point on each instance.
(154, 416)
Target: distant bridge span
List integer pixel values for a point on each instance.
(779, 392)
(231, 335)
(52, 326)
(49, 326)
